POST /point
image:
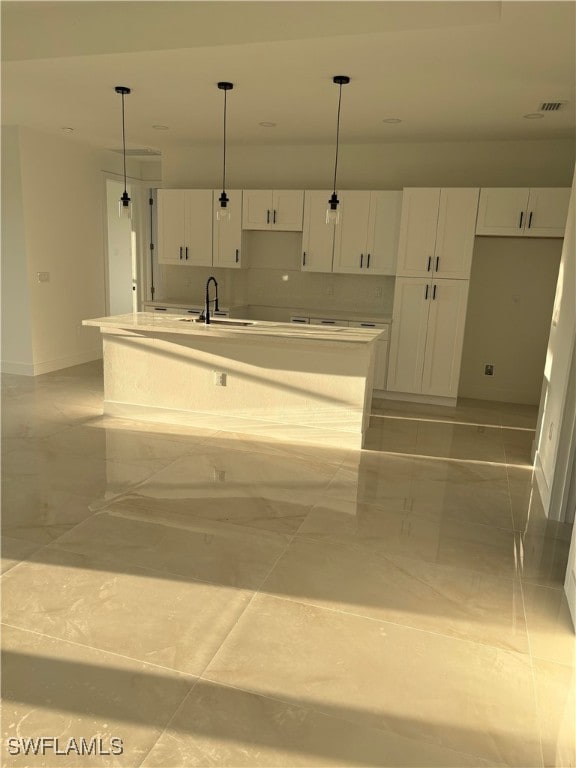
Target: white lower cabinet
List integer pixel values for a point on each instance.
(427, 336)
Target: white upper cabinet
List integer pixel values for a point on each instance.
(273, 209)
(227, 233)
(366, 240)
(185, 226)
(523, 212)
(384, 230)
(198, 227)
(437, 232)
(171, 225)
(317, 235)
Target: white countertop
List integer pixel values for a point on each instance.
(160, 323)
(368, 317)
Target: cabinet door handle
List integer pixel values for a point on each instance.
(267, 217)
(429, 263)
(180, 251)
(368, 262)
(304, 259)
(361, 260)
(159, 309)
(530, 220)
(186, 253)
(437, 262)
(426, 294)
(237, 255)
(521, 219)
(434, 293)
(274, 216)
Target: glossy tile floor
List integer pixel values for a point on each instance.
(218, 600)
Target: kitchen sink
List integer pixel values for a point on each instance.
(229, 323)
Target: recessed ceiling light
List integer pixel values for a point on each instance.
(161, 127)
(65, 129)
(392, 120)
(266, 124)
(533, 116)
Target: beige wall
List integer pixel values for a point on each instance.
(375, 166)
(510, 302)
(17, 352)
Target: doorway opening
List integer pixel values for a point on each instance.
(122, 263)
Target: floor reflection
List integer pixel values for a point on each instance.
(224, 600)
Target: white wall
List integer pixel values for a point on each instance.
(62, 194)
(557, 417)
(17, 351)
(53, 221)
(375, 166)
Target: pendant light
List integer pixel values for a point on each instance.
(223, 212)
(332, 210)
(125, 204)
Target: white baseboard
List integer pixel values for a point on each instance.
(500, 395)
(47, 366)
(380, 394)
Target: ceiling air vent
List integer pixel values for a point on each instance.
(551, 106)
(145, 152)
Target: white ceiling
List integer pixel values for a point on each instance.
(448, 70)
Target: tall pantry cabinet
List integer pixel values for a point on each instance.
(434, 260)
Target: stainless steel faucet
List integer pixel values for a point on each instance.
(208, 299)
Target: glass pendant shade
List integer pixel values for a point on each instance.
(332, 212)
(223, 211)
(125, 206)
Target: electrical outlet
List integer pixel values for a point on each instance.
(488, 369)
(378, 293)
(43, 277)
(328, 290)
(219, 379)
(219, 476)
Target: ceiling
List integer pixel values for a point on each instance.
(448, 70)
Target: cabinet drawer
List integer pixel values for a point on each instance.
(166, 310)
(384, 327)
(328, 321)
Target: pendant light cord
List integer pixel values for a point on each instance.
(337, 134)
(124, 143)
(224, 164)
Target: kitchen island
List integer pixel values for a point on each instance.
(302, 383)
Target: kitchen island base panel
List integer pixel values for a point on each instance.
(298, 390)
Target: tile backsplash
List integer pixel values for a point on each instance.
(271, 278)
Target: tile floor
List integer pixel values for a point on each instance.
(214, 600)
